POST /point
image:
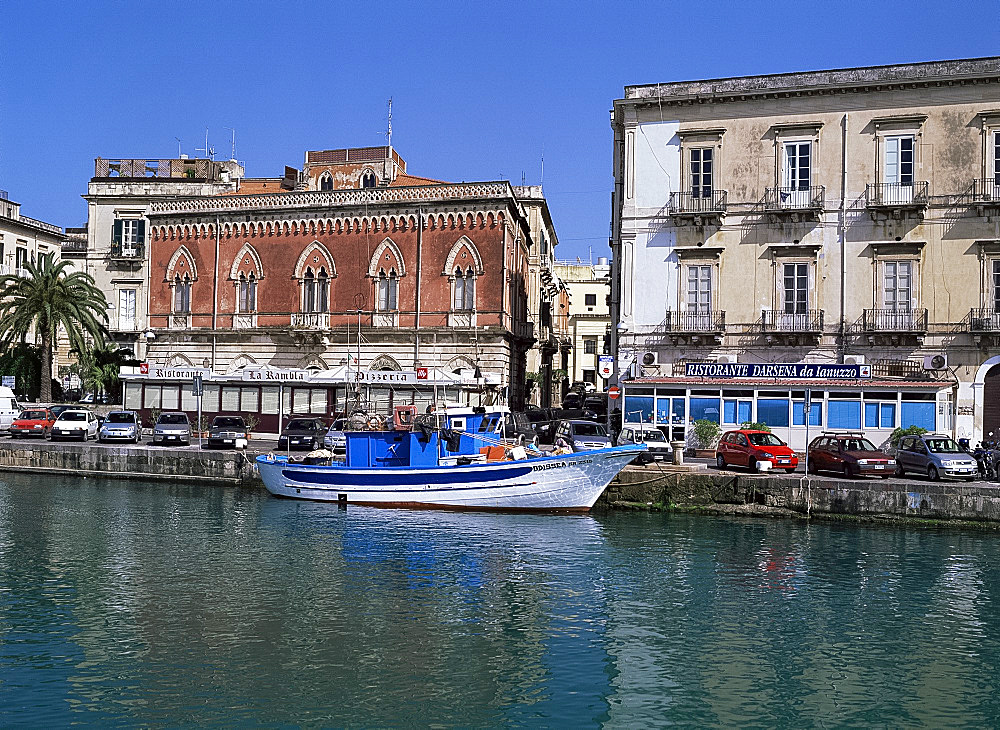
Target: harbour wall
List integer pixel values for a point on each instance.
(230, 468)
(898, 498)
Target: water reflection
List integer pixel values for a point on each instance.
(168, 605)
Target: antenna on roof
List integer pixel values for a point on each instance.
(178, 146)
(388, 131)
(232, 157)
(209, 151)
(540, 182)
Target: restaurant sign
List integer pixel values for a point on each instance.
(777, 371)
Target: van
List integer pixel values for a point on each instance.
(9, 408)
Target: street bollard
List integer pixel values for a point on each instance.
(678, 447)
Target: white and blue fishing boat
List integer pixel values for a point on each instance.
(429, 467)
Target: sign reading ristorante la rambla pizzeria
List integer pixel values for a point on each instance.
(780, 371)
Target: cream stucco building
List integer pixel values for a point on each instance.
(587, 317)
(845, 216)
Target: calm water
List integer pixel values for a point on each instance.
(143, 604)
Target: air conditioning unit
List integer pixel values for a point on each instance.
(935, 362)
(854, 359)
(725, 359)
(650, 360)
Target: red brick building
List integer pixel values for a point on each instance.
(282, 276)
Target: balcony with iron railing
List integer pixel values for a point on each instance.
(795, 200)
(984, 320)
(523, 330)
(809, 321)
(698, 205)
(901, 321)
(707, 322)
(136, 250)
(897, 195)
(7, 270)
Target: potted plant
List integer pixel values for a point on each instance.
(204, 426)
(706, 436)
(252, 421)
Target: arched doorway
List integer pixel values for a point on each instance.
(991, 402)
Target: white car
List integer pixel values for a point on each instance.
(336, 439)
(75, 423)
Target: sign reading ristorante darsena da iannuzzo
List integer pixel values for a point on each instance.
(782, 371)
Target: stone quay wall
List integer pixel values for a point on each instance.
(228, 468)
(875, 498)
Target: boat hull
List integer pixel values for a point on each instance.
(570, 483)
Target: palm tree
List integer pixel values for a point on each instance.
(46, 300)
(100, 367)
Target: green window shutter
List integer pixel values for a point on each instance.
(141, 233)
(116, 234)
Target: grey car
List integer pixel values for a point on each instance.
(336, 439)
(582, 435)
(225, 430)
(172, 428)
(935, 456)
(120, 426)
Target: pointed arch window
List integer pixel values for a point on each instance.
(388, 290)
(247, 293)
(182, 294)
(326, 182)
(315, 291)
(368, 180)
(464, 295)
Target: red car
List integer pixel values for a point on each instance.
(33, 422)
(850, 454)
(746, 447)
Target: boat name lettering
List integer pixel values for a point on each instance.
(544, 467)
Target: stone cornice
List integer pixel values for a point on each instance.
(915, 75)
(303, 201)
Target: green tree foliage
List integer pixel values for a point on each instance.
(24, 362)
(899, 433)
(707, 433)
(100, 367)
(755, 426)
(50, 299)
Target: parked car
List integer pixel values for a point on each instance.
(75, 423)
(336, 439)
(582, 435)
(645, 433)
(172, 427)
(59, 408)
(302, 433)
(9, 408)
(120, 426)
(225, 430)
(934, 455)
(850, 454)
(546, 430)
(749, 447)
(597, 403)
(573, 400)
(512, 426)
(33, 422)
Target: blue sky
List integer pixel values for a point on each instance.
(481, 91)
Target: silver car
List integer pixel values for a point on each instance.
(582, 435)
(120, 426)
(934, 455)
(172, 428)
(336, 439)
